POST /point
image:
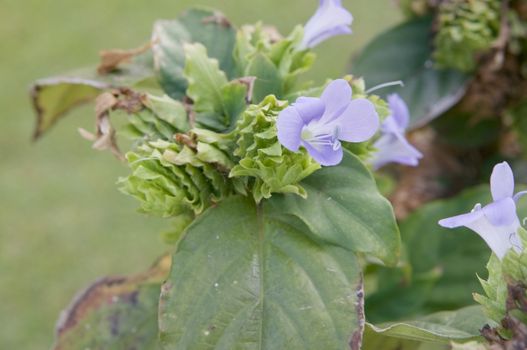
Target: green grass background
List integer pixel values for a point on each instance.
(62, 221)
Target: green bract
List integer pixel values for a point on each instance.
(271, 167)
(509, 272)
(182, 177)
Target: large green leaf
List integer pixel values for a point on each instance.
(404, 53)
(115, 313)
(399, 293)
(243, 280)
(442, 327)
(345, 208)
(54, 97)
(207, 27)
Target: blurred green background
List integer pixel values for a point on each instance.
(63, 224)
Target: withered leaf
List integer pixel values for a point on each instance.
(111, 59)
(117, 312)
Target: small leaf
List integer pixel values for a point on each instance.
(234, 101)
(114, 313)
(442, 327)
(205, 79)
(217, 103)
(168, 110)
(203, 26)
(268, 80)
(243, 280)
(345, 208)
(404, 53)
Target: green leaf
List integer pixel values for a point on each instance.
(268, 80)
(345, 208)
(115, 313)
(205, 79)
(375, 341)
(404, 53)
(465, 130)
(54, 97)
(399, 293)
(203, 26)
(442, 327)
(217, 103)
(243, 280)
(168, 110)
(234, 100)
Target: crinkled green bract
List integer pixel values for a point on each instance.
(183, 177)
(160, 118)
(466, 28)
(272, 168)
(511, 270)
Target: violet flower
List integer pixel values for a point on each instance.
(392, 146)
(319, 124)
(497, 223)
(330, 19)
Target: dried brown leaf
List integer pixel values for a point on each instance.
(111, 59)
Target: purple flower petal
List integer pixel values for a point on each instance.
(502, 181)
(499, 238)
(358, 122)
(324, 154)
(389, 126)
(394, 148)
(501, 213)
(329, 20)
(399, 109)
(289, 128)
(461, 220)
(309, 108)
(336, 97)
